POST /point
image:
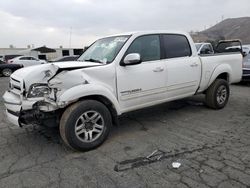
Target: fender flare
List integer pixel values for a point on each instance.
(87, 90)
(220, 69)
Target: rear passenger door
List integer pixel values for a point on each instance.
(183, 68)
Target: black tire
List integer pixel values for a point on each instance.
(213, 99)
(6, 72)
(74, 114)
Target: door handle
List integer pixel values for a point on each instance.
(194, 65)
(158, 69)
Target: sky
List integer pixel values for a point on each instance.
(78, 23)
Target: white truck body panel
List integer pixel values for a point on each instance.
(214, 65)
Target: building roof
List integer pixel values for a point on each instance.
(44, 49)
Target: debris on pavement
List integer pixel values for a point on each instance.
(140, 161)
(155, 156)
(176, 165)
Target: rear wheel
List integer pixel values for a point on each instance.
(7, 72)
(217, 94)
(85, 125)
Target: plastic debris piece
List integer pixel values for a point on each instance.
(148, 157)
(176, 164)
(159, 158)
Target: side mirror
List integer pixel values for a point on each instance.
(132, 59)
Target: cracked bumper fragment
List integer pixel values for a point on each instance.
(27, 111)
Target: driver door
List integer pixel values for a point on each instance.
(145, 83)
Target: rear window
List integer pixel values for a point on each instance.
(176, 46)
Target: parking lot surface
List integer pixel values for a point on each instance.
(213, 148)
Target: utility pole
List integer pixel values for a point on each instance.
(70, 33)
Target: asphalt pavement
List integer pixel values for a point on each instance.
(212, 148)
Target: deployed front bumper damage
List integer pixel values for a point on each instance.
(26, 111)
(22, 109)
(12, 103)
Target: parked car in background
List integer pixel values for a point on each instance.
(6, 58)
(246, 68)
(26, 61)
(204, 48)
(246, 74)
(246, 50)
(8, 69)
(65, 58)
(1, 58)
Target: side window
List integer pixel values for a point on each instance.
(210, 48)
(176, 46)
(24, 58)
(147, 46)
(206, 49)
(32, 58)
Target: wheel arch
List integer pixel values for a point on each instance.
(221, 72)
(104, 100)
(224, 76)
(92, 92)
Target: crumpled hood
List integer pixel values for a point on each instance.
(42, 73)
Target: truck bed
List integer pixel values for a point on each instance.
(212, 63)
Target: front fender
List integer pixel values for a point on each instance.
(85, 90)
(220, 69)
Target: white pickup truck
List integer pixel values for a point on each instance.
(117, 74)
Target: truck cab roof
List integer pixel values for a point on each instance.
(149, 32)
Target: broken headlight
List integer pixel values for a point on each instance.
(38, 90)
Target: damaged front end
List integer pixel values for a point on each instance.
(34, 92)
(27, 103)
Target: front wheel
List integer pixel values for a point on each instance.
(217, 94)
(7, 72)
(85, 125)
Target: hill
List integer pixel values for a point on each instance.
(232, 28)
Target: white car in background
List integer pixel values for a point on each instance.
(1, 58)
(246, 50)
(204, 48)
(26, 61)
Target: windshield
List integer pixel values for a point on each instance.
(198, 46)
(104, 50)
